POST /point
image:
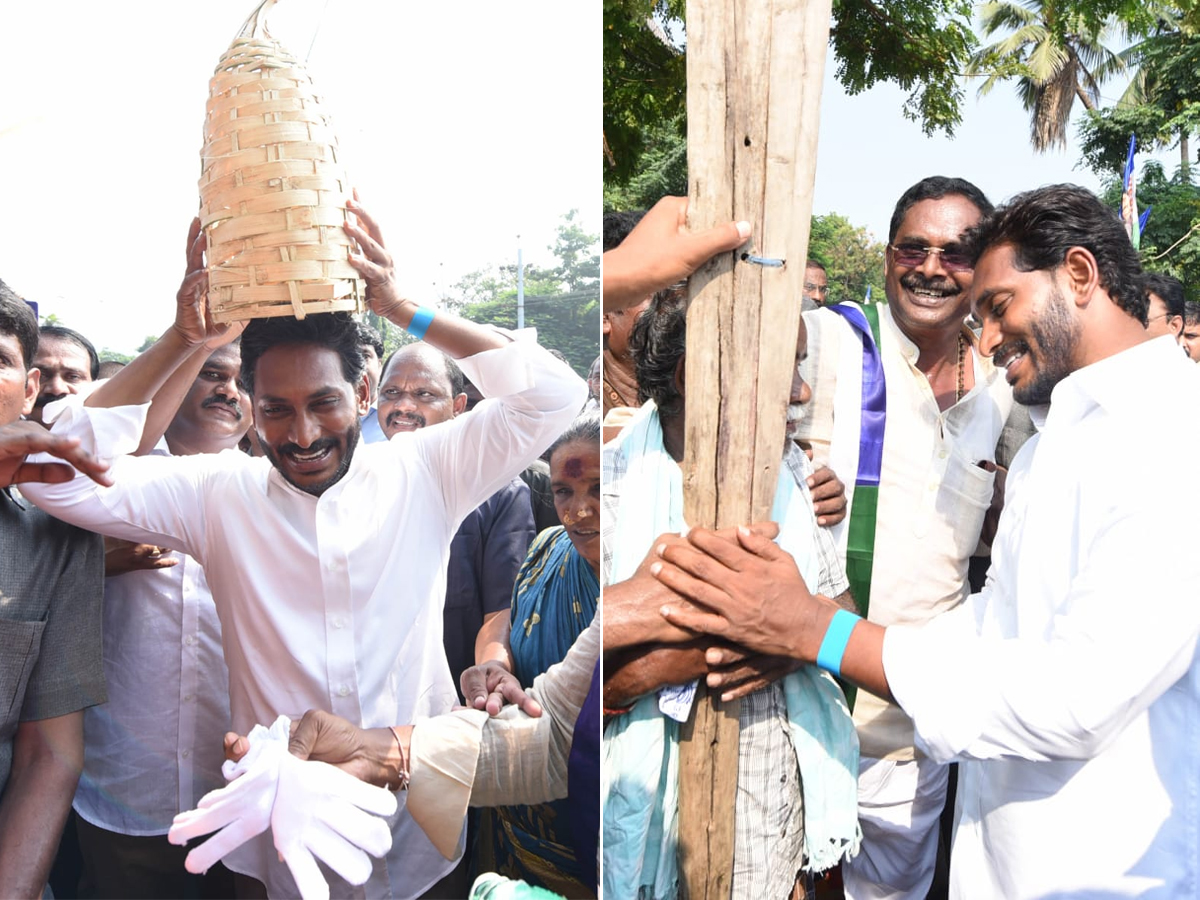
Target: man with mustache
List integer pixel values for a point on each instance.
(421, 386)
(67, 361)
(909, 413)
(149, 752)
(326, 559)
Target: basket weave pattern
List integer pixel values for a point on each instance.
(272, 193)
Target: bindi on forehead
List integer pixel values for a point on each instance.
(573, 467)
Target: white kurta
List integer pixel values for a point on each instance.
(1070, 687)
(332, 602)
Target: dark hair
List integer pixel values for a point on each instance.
(458, 381)
(17, 318)
(814, 264)
(1043, 224)
(586, 428)
(336, 331)
(935, 187)
(657, 343)
(61, 332)
(617, 226)
(1169, 288)
(369, 337)
(1191, 312)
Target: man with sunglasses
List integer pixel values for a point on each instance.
(909, 413)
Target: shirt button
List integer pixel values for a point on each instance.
(332, 565)
(343, 691)
(189, 698)
(942, 454)
(933, 485)
(339, 622)
(187, 753)
(189, 640)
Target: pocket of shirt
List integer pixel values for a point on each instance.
(969, 487)
(20, 645)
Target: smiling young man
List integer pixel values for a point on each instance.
(1069, 688)
(908, 412)
(312, 551)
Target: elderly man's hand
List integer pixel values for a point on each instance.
(490, 686)
(19, 439)
(735, 672)
(366, 753)
(828, 496)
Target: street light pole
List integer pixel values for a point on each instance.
(520, 287)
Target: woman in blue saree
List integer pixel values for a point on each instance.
(554, 600)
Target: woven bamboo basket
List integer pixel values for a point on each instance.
(272, 192)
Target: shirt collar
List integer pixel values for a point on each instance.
(1121, 383)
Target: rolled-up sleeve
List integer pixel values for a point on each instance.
(465, 757)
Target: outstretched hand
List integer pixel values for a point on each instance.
(661, 251)
(490, 686)
(750, 591)
(19, 439)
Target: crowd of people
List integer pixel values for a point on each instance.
(964, 664)
(272, 518)
(1000, 621)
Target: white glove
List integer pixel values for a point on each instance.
(321, 811)
(240, 810)
(314, 810)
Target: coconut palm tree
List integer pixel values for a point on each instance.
(1056, 56)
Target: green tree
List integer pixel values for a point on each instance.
(107, 355)
(562, 301)
(1161, 105)
(921, 45)
(1055, 54)
(852, 260)
(150, 341)
(1171, 240)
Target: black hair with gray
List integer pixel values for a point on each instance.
(1042, 225)
(62, 333)
(657, 343)
(935, 187)
(336, 331)
(17, 318)
(585, 428)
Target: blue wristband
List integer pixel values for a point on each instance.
(833, 645)
(420, 322)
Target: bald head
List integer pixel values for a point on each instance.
(420, 386)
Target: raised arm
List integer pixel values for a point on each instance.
(453, 335)
(183, 344)
(661, 251)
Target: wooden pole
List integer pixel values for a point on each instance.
(755, 70)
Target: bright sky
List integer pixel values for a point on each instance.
(463, 125)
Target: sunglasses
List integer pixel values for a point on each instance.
(914, 257)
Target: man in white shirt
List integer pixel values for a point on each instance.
(326, 560)
(149, 752)
(908, 412)
(1069, 688)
